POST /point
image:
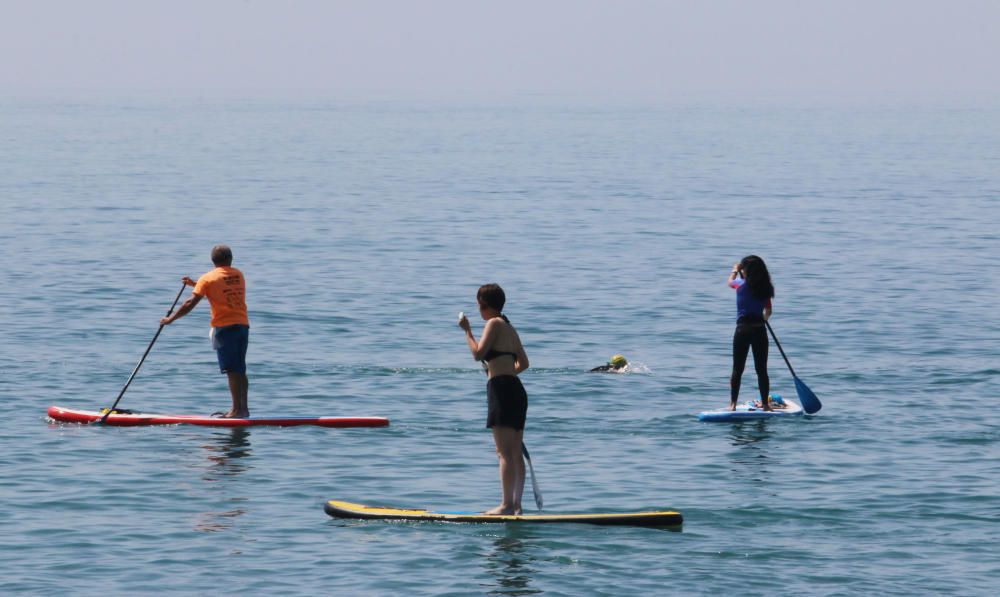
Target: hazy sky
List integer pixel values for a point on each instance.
(891, 49)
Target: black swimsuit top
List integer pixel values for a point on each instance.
(492, 354)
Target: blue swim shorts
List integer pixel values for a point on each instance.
(230, 344)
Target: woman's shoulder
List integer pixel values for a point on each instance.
(501, 328)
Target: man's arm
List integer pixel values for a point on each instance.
(185, 308)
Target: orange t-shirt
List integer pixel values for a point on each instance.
(226, 290)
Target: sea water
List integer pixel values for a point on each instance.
(364, 227)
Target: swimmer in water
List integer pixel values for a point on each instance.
(617, 364)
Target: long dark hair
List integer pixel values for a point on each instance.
(758, 278)
(492, 296)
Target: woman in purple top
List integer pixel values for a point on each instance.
(754, 292)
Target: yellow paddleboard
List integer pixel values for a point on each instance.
(656, 518)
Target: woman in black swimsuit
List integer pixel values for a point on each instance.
(501, 350)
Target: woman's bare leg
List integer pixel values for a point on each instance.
(508, 444)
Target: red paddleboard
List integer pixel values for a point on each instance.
(69, 415)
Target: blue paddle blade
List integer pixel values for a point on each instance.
(810, 403)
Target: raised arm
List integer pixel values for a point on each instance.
(734, 274)
(485, 341)
(480, 348)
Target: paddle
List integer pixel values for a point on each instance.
(139, 364)
(534, 482)
(810, 403)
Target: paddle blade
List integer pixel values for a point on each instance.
(534, 487)
(534, 482)
(810, 403)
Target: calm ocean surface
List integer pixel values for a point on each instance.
(364, 228)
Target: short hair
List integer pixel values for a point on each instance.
(222, 255)
(491, 295)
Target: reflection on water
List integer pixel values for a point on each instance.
(226, 460)
(508, 563)
(753, 453)
(750, 433)
(213, 522)
(225, 455)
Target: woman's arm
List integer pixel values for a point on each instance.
(734, 274)
(521, 362)
(478, 349)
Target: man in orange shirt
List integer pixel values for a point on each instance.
(226, 290)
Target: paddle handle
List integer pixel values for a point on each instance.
(143, 359)
(778, 344)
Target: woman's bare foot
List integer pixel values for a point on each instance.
(500, 511)
(732, 406)
(236, 415)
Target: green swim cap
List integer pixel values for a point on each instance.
(618, 361)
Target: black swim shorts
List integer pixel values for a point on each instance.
(507, 402)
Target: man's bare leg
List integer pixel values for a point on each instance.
(239, 386)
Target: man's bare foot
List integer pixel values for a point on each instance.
(500, 511)
(732, 406)
(236, 415)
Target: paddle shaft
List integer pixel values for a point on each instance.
(144, 355)
(778, 344)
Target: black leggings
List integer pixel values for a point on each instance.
(747, 336)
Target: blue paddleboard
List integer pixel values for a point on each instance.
(749, 410)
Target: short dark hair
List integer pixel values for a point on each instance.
(222, 255)
(491, 295)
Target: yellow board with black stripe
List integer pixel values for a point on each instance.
(653, 518)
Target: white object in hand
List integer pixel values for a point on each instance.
(461, 315)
